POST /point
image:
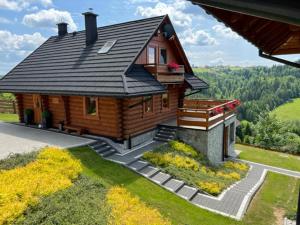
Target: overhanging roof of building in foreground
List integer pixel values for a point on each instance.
(273, 26)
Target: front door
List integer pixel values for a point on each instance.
(37, 109)
(225, 143)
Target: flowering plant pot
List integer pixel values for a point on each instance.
(173, 67)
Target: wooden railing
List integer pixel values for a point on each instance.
(8, 106)
(164, 75)
(204, 114)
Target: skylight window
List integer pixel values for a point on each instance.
(107, 46)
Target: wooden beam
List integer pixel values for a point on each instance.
(289, 63)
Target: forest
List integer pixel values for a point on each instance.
(260, 89)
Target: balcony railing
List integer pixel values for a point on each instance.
(164, 75)
(205, 114)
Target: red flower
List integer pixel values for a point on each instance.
(237, 102)
(218, 110)
(173, 66)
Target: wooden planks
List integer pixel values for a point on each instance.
(8, 106)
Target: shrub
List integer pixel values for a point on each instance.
(128, 210)
(230, 176)
(184, 148)
(21, 187)
(83, 203)
(164, 159)
(212, 188)
(17, 160)
(236, 165)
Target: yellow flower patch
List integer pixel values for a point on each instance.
(129, 210)
(236, 165)
(230, 176)
(213, 188)
(184, 148)
(168, 158)
(21, 187)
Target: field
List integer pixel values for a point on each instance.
(5, 117)
(288, 111)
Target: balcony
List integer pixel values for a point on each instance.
(164, 75)
(205, 114)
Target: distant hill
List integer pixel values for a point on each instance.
(288, 111)
(259, 88)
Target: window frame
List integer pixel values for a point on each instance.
(162, 105)
(155, 54)
(85, 113)
(160, 56)
(144, 105)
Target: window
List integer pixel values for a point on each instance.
(163, 56)
(148, 104)
(151, 55)
(107, 46)
(232, 130)
(91, 105)
(165, 100)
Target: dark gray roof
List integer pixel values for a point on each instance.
(66, 66)
(194, 82)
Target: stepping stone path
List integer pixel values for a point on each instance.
(233, 202)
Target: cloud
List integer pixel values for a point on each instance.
(226, 32)
(217, 62)
(175, 10)
(197, 37)
(142, 1)
(3, 20)
(48, 19)
(19, 45)
(19, 5)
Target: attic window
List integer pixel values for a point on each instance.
(107, 46)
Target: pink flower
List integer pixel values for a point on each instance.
(173, 65)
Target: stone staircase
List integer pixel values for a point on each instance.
(103, 149)
(165, 133)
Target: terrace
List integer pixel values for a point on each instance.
(204, 114)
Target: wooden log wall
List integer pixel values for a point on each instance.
(8, 106)
(135, 121)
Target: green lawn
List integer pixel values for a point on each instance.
(277, 159)
(288, 111)
(261, 212)
(9, 117)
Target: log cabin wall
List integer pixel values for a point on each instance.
(136, 121)
(56, 107)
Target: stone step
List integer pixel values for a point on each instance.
(138, 165)
(160, 178)
(103, 149)
(95, 143)
(108, 153)
(173, 184)
(187, 192)
(166, 136)
(99, 145)
(148, 171)
(167, 129)
(167, 132)
(162, 139)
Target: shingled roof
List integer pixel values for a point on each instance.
(65, 65)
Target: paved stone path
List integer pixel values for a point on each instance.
(233, 202)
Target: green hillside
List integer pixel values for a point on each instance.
(288, 111)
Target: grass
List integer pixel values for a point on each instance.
(272, 196)
(5, 117)
(288, 111)
(271, 158)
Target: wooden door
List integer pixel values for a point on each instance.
(225, 142)
(37, 108)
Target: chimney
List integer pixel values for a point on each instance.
(90, 27)
(62, 29)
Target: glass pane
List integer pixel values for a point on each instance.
(148, 104)
(163, 56)
(151, 55)
(165, 100)
(91, 106)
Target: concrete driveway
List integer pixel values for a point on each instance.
(19, 139)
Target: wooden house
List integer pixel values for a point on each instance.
(120, 81)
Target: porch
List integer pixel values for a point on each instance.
(203, 114)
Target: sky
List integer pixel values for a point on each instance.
(26, 24)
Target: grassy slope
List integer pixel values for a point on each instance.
(278, 159)
(177, 209)
(288, 111)
(9, 117)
